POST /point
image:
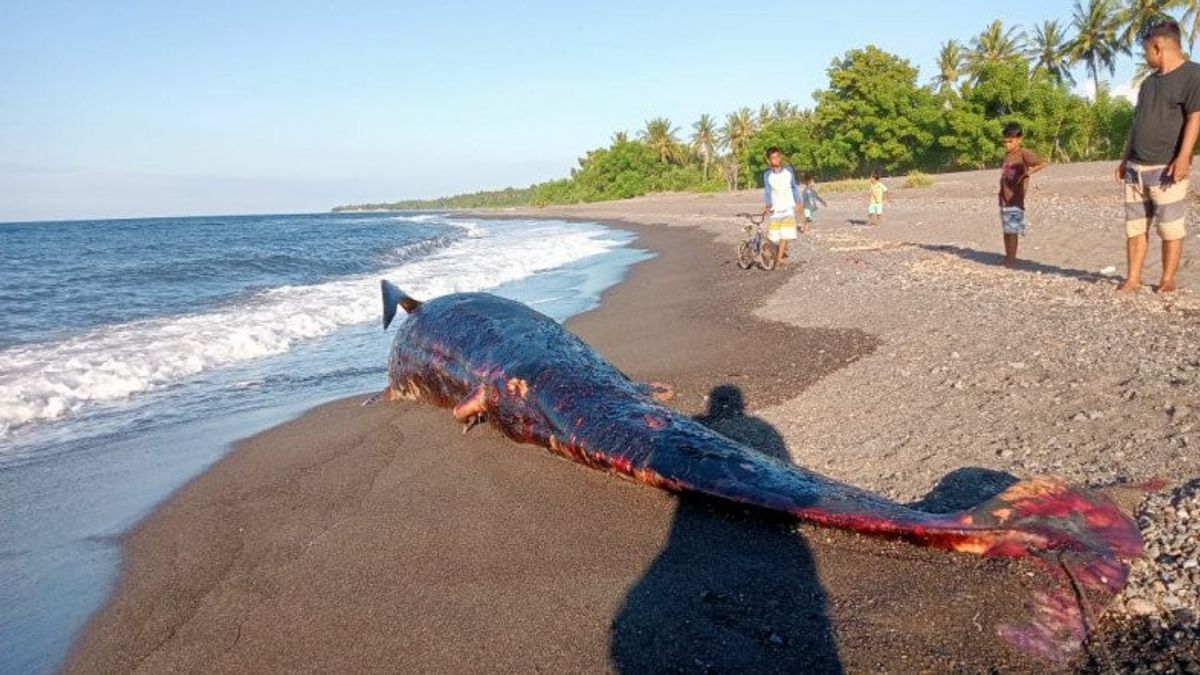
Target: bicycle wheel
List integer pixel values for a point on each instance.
(766, 256)
(745, 255)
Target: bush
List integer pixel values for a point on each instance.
(847, 185)
(917, 179)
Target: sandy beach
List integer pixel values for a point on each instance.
(900, 358)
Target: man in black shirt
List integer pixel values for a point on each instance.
(1158, 156)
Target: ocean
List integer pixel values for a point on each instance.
(134, 352)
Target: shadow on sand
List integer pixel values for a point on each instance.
(1023, 265)
(733, 590)
(964, 489)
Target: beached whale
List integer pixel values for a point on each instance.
(493, 359)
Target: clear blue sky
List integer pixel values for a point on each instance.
(111, 109)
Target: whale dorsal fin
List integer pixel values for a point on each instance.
(393, 297)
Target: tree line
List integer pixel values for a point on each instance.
(877, 115)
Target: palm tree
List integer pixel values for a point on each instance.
(784, 110)
(764, 115)
(620, 137)
(995, 44)
(1135, 15)
(704, 140)
(1096, 41)
(1191, 20)
(950, 65)
(661, 137)
(1049, 50)
(739, 128)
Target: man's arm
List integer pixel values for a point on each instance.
(1180, 168)
(1125, 154)
(767, 191)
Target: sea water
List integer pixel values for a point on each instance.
(134, 352)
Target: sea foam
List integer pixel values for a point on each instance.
(51, 380)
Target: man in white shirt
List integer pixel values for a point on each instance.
(781, 195)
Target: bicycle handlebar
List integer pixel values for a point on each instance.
(756, 219)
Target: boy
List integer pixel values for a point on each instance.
(1019, 164)
(810, 198)
(781, 195)
(1158, 154)
(878, 194)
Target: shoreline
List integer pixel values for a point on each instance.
(274, 558)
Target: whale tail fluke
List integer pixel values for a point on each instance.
(393, 297)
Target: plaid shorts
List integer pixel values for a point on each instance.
(1152, 198)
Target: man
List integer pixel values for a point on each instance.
(1158, 154)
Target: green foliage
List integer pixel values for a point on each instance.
(793, 137)
(485, 199)
(875, 115)
(917, 179)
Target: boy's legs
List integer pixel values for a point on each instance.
(1012, 221)
(787, 232)
(1011, 241)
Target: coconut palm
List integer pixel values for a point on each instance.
(1097, 43)
(704, 140)
(1191, 20)
(784, 110)
(739, 128)
(620, 137)
(1050, 50)
(662, 138)
(996, 43)
(1137, 13)
(764, 115)
(950, 65)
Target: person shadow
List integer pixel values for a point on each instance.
(964, 488)
(994, 259)
(734, 589)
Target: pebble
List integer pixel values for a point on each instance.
(1165, 583)
(1141, 607)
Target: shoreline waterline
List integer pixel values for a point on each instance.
(71, 506)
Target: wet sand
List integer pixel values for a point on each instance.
(382, 539)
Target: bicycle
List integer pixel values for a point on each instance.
(756, 247)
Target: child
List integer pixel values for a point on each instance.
(1158, 154)
(781, 195)
(810, 198)
(878, 194)
(1019, 164)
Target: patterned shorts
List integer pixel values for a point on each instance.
(1151, 198)
(874, 209)
(1012, 219)
(782, 226)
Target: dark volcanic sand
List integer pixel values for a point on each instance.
(382, 539)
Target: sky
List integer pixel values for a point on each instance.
(124, 109)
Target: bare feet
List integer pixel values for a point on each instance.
(1129, 286)
(1010, 263)
(1165, 286)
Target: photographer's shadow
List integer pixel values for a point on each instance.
(733, 589)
